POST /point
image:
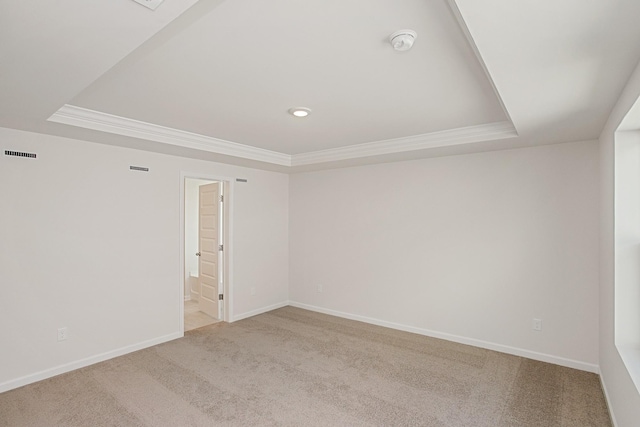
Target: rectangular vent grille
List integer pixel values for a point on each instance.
(139, 168)
(241, 180)
(19, 154)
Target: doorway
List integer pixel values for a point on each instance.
(205, 231)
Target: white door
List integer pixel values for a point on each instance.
(208, 231)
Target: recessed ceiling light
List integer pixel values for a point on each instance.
(299, 111)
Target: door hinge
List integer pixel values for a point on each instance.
(221, 198)
(221, 247)
(220, 297)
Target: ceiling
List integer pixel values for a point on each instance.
(214, 79)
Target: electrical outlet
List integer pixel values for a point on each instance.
(537, 324)
(319, 288)
(253, 291)
(63, 334)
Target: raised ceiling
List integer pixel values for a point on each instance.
(214, 79)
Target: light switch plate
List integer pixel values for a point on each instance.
(151, 4)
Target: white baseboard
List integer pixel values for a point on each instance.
(606, 397)
(48, 373)
(259, 311)
(570, 363)
(67, 367)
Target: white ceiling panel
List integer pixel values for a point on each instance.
(235, 72)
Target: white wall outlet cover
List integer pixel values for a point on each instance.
(151, 4)
(537, 324)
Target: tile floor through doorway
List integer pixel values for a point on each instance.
(194, 318)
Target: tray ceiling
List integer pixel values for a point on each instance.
(215, 79)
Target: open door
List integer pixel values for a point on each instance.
(208, 250)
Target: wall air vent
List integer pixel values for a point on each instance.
(139, 168)
(19, 154)
(151, 4)
(241, 180)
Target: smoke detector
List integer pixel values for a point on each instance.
(151, 4)
(402, 40)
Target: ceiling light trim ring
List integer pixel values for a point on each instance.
(300, 112)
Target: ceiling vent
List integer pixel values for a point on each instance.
(403, 40)
(151, 4)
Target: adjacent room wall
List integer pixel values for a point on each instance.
(622, 395)
(87, 244)
(470, 248)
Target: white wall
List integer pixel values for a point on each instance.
(623, 396)
(627, 235)
(469, 248)
(88, 244)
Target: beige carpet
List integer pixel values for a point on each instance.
(292, 367)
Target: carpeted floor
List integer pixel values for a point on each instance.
(292, 367)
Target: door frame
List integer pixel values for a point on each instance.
(227, 255)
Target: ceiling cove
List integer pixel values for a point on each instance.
(96, 120)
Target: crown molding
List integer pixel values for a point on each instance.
(467, 135)
(96, 120)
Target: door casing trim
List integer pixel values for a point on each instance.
(227, 264)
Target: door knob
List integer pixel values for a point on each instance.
(197, 253)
